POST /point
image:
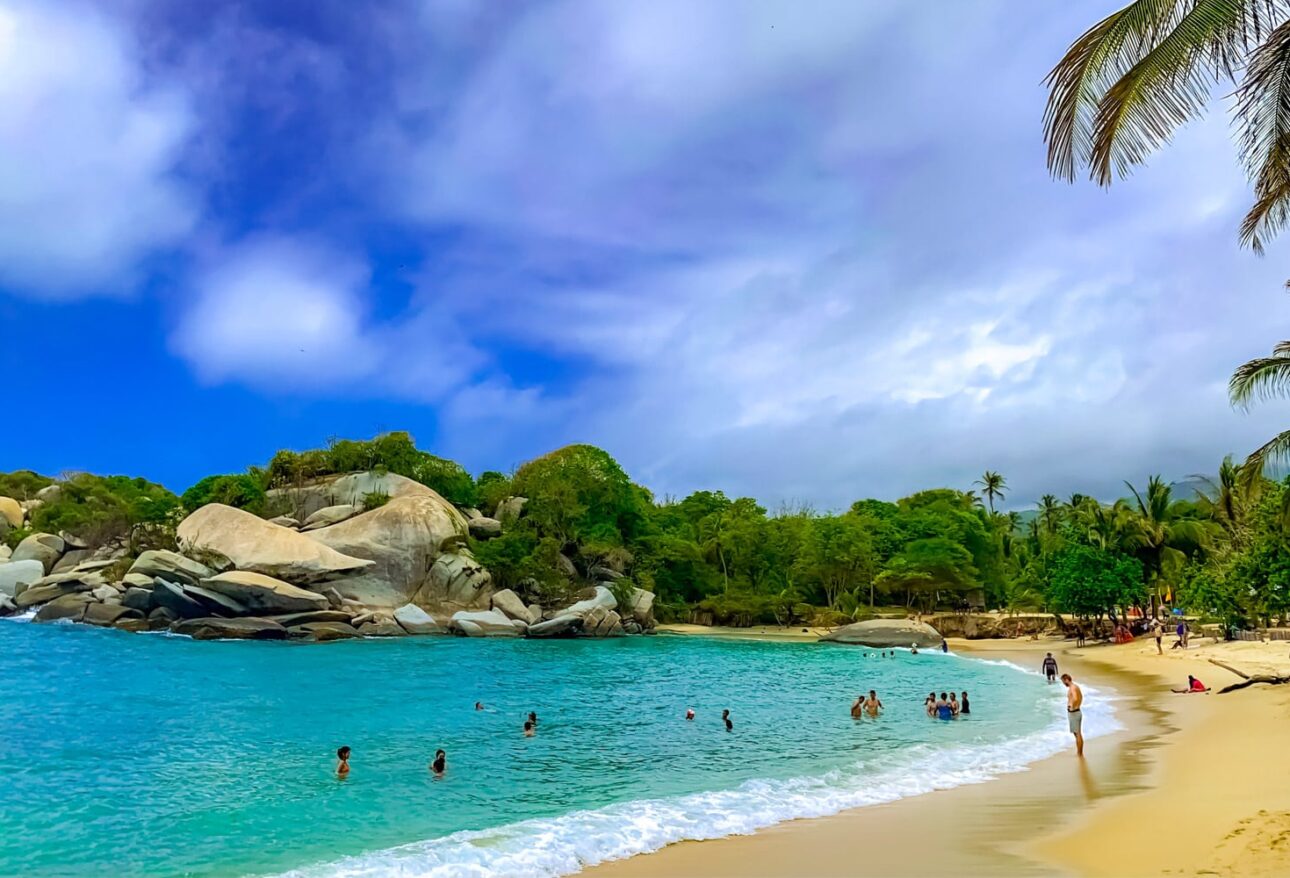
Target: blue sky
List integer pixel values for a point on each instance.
(807, 252)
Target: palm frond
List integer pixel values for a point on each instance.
(1091, 65)
(1260, 379)
(1268, 456)
(1168, 86)
(1263, 116)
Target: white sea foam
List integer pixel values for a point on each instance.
(26, 616)
(568, 843)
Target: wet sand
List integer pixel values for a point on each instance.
(1195, 784)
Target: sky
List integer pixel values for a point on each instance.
(806, 252)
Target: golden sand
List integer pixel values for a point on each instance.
(1195, 785)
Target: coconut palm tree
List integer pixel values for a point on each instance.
(1226, 498)
(1126, 84)
(1155, 532)
(1050, 513)
(992, 485)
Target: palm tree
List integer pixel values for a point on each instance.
(992, 485)
(1226, 499)
(1050, 513)
(1260, 379)
(1155, 532)
(1126, 84)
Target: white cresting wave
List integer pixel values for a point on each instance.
(562, 845)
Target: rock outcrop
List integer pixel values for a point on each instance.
(214, 628)
(42, 547)
(253, 544)
(401, 540)
(456, 581)
(171, 566)
(329, 515)
(486, 623)
(260, 593)
(886, 633)
(11, 511)
(322, 631)
(351, 489)
(509, 603)
(485, 528)
(415, 620)
(16, 573)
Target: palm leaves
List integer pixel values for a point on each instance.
(1132, 79)
(992, 485)
(1260, 379)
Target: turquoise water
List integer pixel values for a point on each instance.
(148, 755)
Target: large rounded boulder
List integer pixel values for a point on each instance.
(11, 511)
(260, 593)
(886, 633)
(402, 541)
(353, 489)
(251, 543)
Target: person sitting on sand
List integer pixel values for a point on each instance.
(857, 706)
(954, 704)
(689, 713)
(725, 717)
(1050, 668)
(964, 708)
(873, 704)
(943, 709)
(440, 762)
(1193, 685)
(342, 762)
(528, 728)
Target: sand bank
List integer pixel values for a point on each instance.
(1195, 784)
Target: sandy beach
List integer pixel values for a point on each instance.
(1194, 785)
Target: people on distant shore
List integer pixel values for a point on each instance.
(1079, 635)
(1074, 712)
(440, 762)
(1158, 631)
(1050, 668)
(964, 708)
(1193, 685)
(342, 762)
(725, 717)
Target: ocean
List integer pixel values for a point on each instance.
(154, 755)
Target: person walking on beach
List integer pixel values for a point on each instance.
(725, 717)
(342, 762)
(1074, 712)
(1159, 631)
(1050, 668)
(440, 762)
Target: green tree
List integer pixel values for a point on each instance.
(241, 491)
(928, 566)
(1091, 582)
(993, 486)
(1127, 83)
(1158, 533)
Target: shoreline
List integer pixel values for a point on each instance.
(1150, 799)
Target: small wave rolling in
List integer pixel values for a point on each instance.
(156, 755)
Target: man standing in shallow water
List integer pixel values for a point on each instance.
(1074, 703)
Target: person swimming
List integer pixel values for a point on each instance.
(873, 704)
(533, 718)
(725, 717)
(528, 728)
(857, 706)
(913, 649)
(342, 762)
(964, 709)
(943, 709)
(440, 762)
(689, 713)
(479, 705)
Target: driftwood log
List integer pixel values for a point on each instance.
(1246, 679)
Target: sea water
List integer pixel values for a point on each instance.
(154, 755)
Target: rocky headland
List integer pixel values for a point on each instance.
(364, 554)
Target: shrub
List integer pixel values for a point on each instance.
(22, 484)
(103, 508)
(241, 491)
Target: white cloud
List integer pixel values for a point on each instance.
(87, 149)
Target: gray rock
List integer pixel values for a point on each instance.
(7, 606)
(71, 541)
(285, 521)
(137, 580)
(510, 509)
(382, 627)
(253, 544)
(471, 513)
(216, 604)
(15, 573)
(67, 606)
(5, 553)
(92, 566)
(561, 626)
(11, 512)
(70, 561)
(322, 631)
(106, 615)
(415, 620)
(509, 603)
(351, 489)
(484, 623)
(104, 592)
(290, 620)
(160, 619)
(139, 599)
(603, 574)
(886, 633)
(173, 597)
(640, 608)
(54, 586)
(170, 566)
(49, 493)
(566, 566)
(216, 628)
(42, 547)
(601, 598)
(456, 581)
(535, 613)
(485, 528)
(592, 620)
(260, 593)
(334, 599)
(329, 515)
(130, 624)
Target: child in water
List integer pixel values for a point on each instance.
(342, 762)
(725, 716)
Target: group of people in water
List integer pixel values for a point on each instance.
(439, 764)
(944, 707)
